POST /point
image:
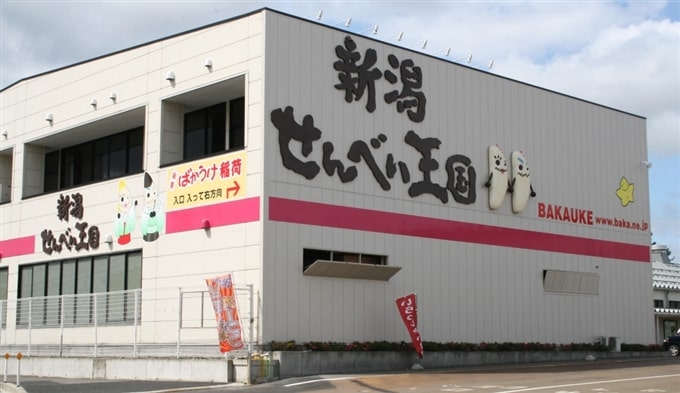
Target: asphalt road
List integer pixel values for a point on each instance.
(657, 375)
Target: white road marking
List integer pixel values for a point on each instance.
(589, 383)
(335, 379)
(316, 380)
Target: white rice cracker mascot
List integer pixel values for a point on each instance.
(153, 216)
(520, 185)
(497, 183)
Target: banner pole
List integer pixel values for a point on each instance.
(179, 321)
(250, 329)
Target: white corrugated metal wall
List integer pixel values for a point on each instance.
(578, 152)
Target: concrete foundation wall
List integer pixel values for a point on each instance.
(281, 365)
(297, 364)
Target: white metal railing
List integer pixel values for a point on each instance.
(155, 322)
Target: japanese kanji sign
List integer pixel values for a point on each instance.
(223, 297)
(361, 75)
(208, 181)
(409, 314)
(82, 237)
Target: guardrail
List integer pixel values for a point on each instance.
(162, 322)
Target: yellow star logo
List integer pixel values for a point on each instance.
(625, 192)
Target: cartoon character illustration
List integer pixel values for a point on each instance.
(498, 177)
(125, 214)
(153, 217)
(520, 185)
(625, 192)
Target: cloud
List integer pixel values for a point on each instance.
(663, 132)
(622, 54)
(633, 68)
(61, 33)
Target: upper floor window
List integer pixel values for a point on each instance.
(203, 122)
(101, 159)
(103, 149)
(6, 175)
(206, 131)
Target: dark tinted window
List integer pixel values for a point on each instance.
(204, 131)
(51, 180)
(236, 123)
(101, 159)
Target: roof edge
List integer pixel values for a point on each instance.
(262, 9)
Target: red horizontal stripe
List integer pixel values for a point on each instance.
(220, 214)
(312, 213)
(18, 246)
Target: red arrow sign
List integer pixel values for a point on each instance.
(235, 188)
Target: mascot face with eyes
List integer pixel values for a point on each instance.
(153, 217)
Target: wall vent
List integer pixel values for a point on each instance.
(571, 282)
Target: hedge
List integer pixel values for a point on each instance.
(430, 346)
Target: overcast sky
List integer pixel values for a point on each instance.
(622, 54)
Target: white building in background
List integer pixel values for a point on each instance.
(333, 172)
(666, 291)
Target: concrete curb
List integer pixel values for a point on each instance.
(10, 388)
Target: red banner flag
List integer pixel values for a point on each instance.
(223, 297)
(409, 314)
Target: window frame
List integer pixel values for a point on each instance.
(77, 277)
(230, 92)
(342, 264)
(79, 164)
(222, 129)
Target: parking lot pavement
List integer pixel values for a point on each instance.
(64, 385)
(634, 375)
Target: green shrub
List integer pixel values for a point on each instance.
(641, 347)
(283, 346)
(430, 346)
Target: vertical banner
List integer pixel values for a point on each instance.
(223, 297)
(409, 314)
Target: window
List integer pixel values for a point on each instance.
(101, 159)
(309, 256)
(669, 327)
(658, 303)
(340, 264)
(237, 123)
(204, 122)
(41, 285)
(4, 275)
(674, 304)
(205, 131)
(6, 157)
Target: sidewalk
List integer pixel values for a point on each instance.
(65, 385)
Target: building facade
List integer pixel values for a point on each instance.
(334, 173)
(666, 292)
